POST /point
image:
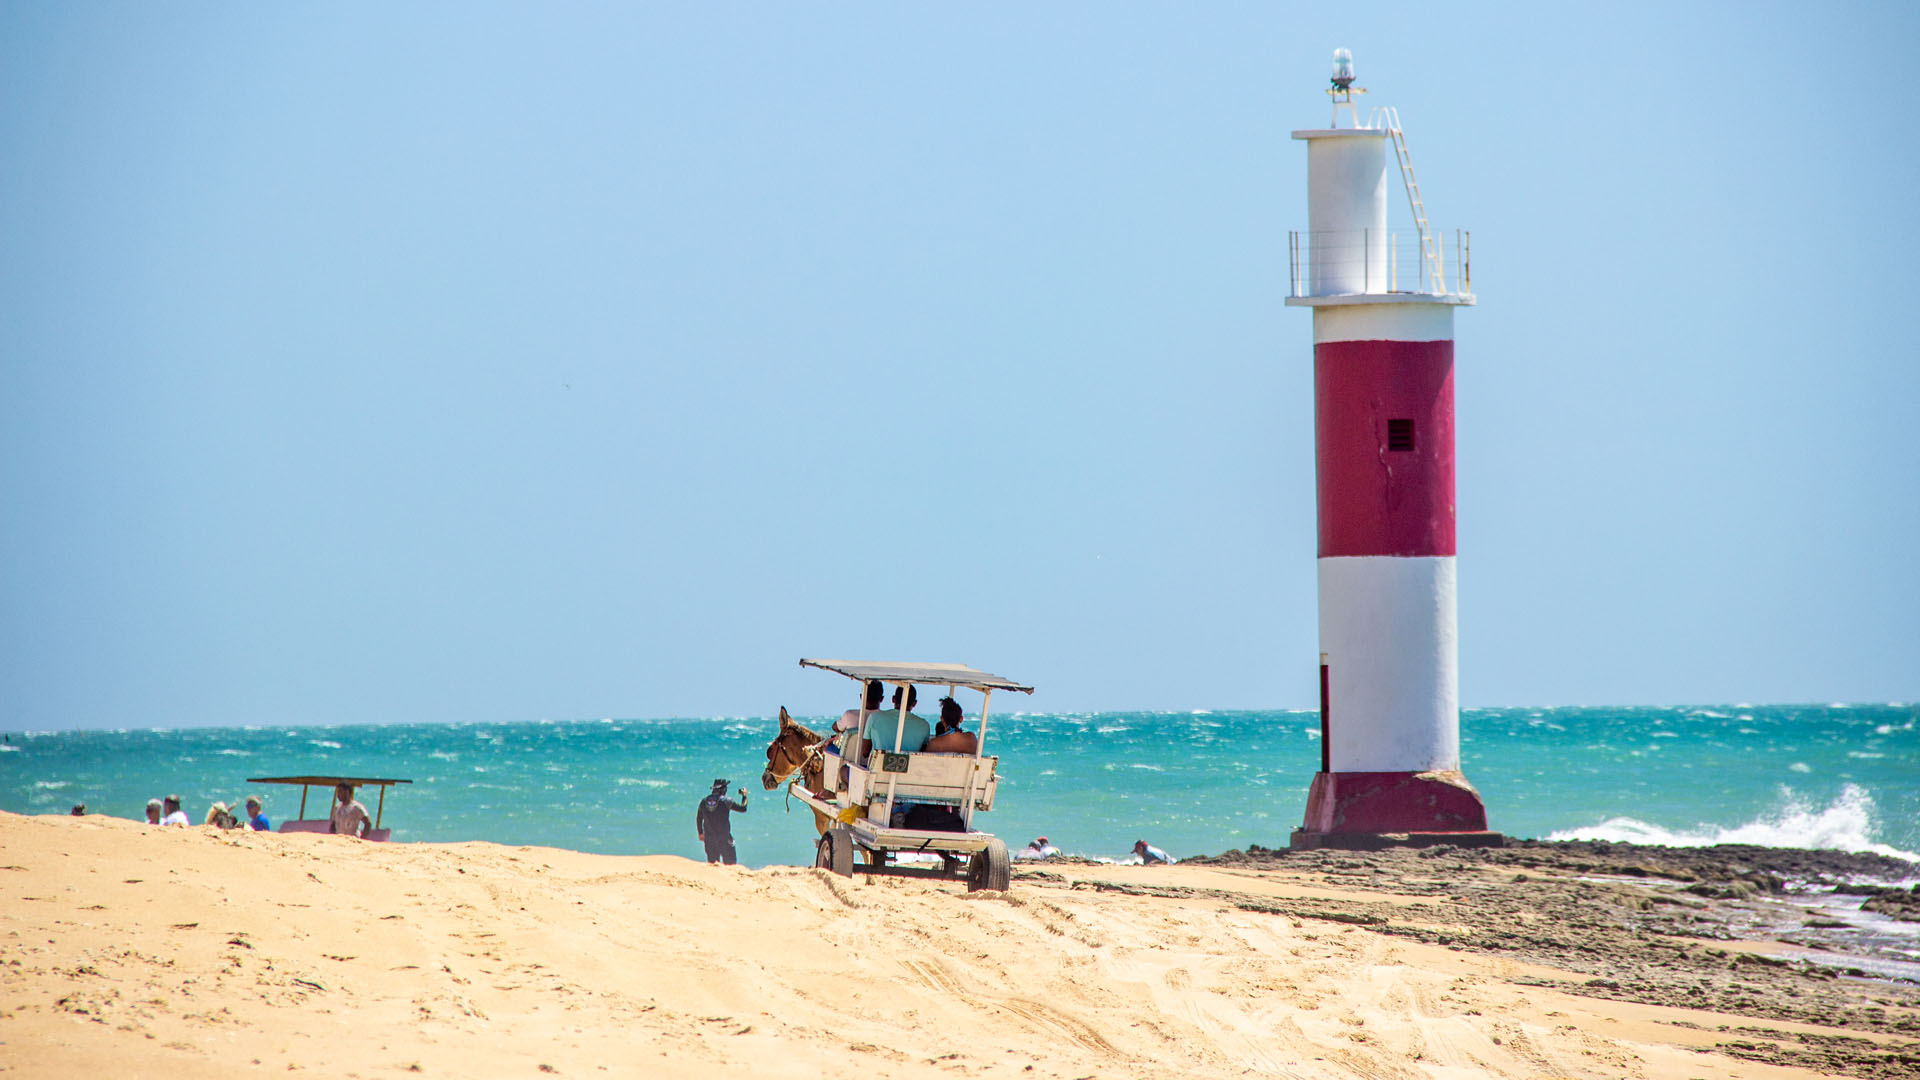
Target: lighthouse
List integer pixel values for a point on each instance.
(1383, 300)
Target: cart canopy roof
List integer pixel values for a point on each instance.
(897, 671)
(326, 781)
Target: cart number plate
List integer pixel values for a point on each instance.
(893, 763)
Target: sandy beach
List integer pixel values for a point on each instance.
(134, 951)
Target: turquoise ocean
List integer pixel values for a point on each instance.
(1815, 776)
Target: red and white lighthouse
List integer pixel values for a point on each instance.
(1383, 303)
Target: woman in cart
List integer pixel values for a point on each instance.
(947, 736)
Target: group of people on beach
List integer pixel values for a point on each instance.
(167, 812)
(1147, 853)
(348, 817)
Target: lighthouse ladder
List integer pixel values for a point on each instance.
(1428, 252)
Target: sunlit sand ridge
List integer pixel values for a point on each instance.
(131, 950)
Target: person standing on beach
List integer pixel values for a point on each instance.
(713, 822)
(349, 817)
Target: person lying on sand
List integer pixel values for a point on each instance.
(1150, 855)
(349, 817)
(1039, 849)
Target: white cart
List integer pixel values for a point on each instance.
(870, 796)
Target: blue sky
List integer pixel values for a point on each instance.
(499, 362)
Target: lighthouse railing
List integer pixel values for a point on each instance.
(1359, 262)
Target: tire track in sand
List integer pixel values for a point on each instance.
(1045, 1018)
(934, 977)
(1053, 1021)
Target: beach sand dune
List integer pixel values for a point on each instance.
(132, 951)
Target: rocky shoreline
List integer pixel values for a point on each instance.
(1757, 934)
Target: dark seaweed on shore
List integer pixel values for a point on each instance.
(1720, 862)
(1656, 925)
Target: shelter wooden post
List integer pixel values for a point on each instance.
(979, 745)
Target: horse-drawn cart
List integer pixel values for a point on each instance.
(889, 802)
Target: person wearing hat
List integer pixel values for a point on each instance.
(1039, 849)
(1150, 855)
(713, 822)
(153, 811)
(173, 814)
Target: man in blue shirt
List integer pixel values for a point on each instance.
(256, 820)
(884, 725)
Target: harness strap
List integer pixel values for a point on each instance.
(800, 771)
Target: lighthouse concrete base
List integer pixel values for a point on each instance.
(1390, 809)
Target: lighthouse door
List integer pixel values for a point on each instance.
(1326, 750)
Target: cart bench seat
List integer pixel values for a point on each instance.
(325, 825)
(946, 779)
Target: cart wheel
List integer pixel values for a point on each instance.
(835, 851)
(991, 869)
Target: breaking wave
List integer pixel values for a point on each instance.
(1845, 824)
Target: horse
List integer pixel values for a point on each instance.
(797, 749)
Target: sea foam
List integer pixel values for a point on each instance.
(1845, 824)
